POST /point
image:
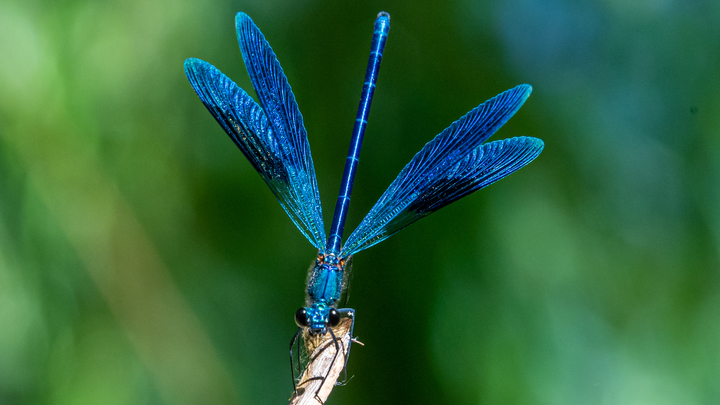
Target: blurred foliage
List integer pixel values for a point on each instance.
(142, 261)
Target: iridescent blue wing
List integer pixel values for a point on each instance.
(449, 167)
(271, 135)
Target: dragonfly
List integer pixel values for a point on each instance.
(271, 135)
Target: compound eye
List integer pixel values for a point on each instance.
(301, 318)
(333, 317)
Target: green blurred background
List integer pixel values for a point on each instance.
(143, 261)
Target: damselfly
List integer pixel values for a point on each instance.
(272, 137)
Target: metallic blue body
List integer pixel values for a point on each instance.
(325, 283)
(271, 134)
(325, 286)
(382, 28)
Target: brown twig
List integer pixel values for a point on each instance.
(324, 366)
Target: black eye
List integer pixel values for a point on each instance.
(301, 317)
(333, 317)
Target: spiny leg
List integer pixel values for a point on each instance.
(350, 313)
(292, 369)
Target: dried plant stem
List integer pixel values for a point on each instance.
(324, 366)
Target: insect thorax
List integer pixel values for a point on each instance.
(326, 281)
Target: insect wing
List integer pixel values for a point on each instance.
(449, 167)
(300, 193)
(271, 135)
